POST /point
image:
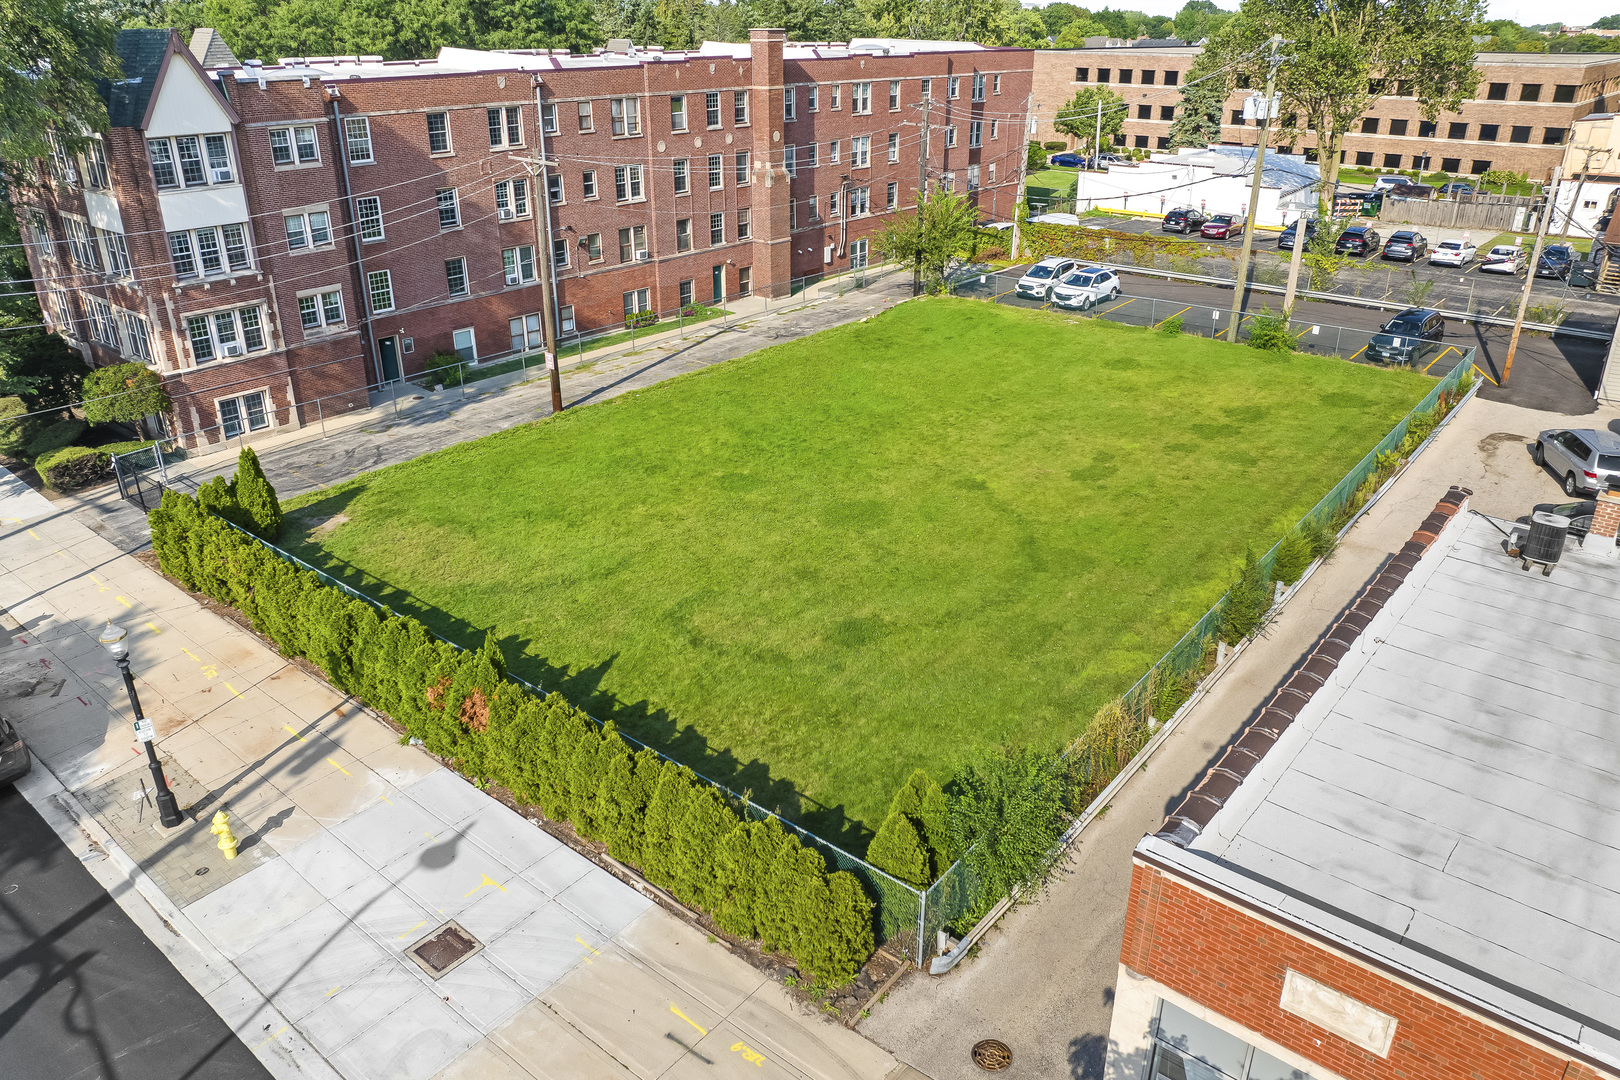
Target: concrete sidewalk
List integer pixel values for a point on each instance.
(352, 849)
(1043, 981)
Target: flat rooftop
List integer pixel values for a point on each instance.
(1449, 800)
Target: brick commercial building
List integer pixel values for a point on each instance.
(1405, 866)
(1519, 119)
(277, 240)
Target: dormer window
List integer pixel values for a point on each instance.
(191, 161)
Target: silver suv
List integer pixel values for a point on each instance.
(1587, 460)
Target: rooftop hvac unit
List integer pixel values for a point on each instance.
(1544, 544)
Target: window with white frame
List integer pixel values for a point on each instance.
(995, 130)
(832, 152)
(859, 201)
(789, 101)
(225, 334)
(832, 204)
(633, 243)
(687, 293)
(860, 98)
(682, 167)
(455, 276)
(927, 89)
(115, 252)
(973, 177)
(505, 126)
(740, 171)
(626, 116)
(465, 342)
(978, 87)
(191, 161)
(744, 219)
(357, 134)
(512, 198)
(711, 108)
(739, 107)
(860, 152)
(809, 150)
(548, 117)
(62, 166)
(103, 327)
(380, 288)
(519, 264)
(894, 195)
(790, 160)
(952, 86)
(438, 129)
(554, 188)
(311, 230)
(526, 332)
(60, 312)
(717, 172)
(37, 233)
(992, 172)
(677, 112)
(857, 254)
(683, 234)
(244, 413)
(449, 208)
(717, 229)
(894, 95)
(368, 213)
(81, 246)
(587, 184)
(320, 309)
(296, 145)
(976, 133)
(995, 84)
(950, 134)
(211, 250)
(894, 146)
(587, 123)
(836, 94)
(593, 247)
(637, 301)
(137, 336)
(627, 183)
(95, 165)
(812, 94)
(559, 253)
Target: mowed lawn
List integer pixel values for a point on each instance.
(808, 571)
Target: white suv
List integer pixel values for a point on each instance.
(1037, 283)
(1086, 286)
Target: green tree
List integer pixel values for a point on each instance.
(54, 55)
(1608, 22)
(673, 794)
(1058, 15)
(914, 841)
(1198, 19)
(1293, 556)
(1080, 114)
(1247, 603)
(124, 392)
(699, 836)
(1074, 34)
(1007, 816)
(1203, 105)
(256, 497)
(1342, 57)
(928, 238)
(898, 849)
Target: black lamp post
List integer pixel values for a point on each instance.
(168, 809)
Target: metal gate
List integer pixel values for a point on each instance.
(142, 476)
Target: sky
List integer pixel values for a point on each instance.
(1529, 12)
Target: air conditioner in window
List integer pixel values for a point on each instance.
(221, 176)
(506, 213)
(643, 255)
(233, 349)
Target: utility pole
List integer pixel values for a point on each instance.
(548, 280)
(1023, 176)
(1241, 286)
(1293, 262)
(1530, 272)
(922, 185)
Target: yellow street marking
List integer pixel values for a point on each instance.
(1127, 303)
(153, 627)
(1358, 352)
(1436, 360)
(233, 689)
(95, 579)
(35, 535)
(272, 1038)
(487, 881)
(701, 1030)
(189, 653)
(346, 772)
(125, 602)
(582, 941)
(289, 730)
(1161, 322)
(60, 552)
(387, 800)
(1486, 377)
(413, 929)
(209, 671)
(334, 990)
(749, 1053)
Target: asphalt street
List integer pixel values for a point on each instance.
(83, 993)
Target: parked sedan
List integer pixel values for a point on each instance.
(1071, 161)
(1555, 261)
(1502, 259)
(1088, 285)
(1183, 220)
(1455, 188)
(14, 759)
(1358, 240)
(1452, 253)
(1223, 227)
(1406, 245)
(1587, 459)
(1285, 239)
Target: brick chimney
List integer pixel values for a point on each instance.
(773, 242)
(1605, 524)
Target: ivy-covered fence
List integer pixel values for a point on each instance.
(715, 852)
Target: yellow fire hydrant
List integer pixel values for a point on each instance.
(222, 829)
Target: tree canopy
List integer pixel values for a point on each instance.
(929, 238)
(1203, 105)
(1079, 115)
(53, 56)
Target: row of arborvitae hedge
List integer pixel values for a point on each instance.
(755, 878)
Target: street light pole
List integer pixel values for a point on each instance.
(168, 809)
(1241, 285)
(1530, 273)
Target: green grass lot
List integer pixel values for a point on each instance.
(810, 570)
(1041, 188)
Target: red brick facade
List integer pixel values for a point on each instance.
(1233, 963)
(650, 216)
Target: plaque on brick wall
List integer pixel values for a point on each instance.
(410, 344)
(1338, 1012)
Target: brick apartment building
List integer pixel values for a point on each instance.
(1405, 865)
(278, 239)
(1519, 120)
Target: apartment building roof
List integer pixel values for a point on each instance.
(1437, 788)
(141, 53)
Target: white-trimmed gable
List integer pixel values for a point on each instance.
(186, 104)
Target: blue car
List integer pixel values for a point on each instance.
(1073, 161)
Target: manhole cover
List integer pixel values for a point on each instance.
(441, 951)
(992, 1055)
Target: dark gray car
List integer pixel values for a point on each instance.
(1409, 337)
(14, 758)
(1586, 460)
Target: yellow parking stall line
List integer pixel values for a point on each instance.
(1161, 322)
(1486, 377)
(1436, 360)
(233, 689)
(1358, 352)
(338, 767)
(271, 1038)
(191, 654)
(35, 535)
(412, 930)
(700, 1029)
(125, 602)
(288, 729)
(153, 627)
(1127, 303)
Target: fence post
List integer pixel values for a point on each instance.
(922, 926)
(320, 414)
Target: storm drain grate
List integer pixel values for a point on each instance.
(992, 1055)
(440, 952)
